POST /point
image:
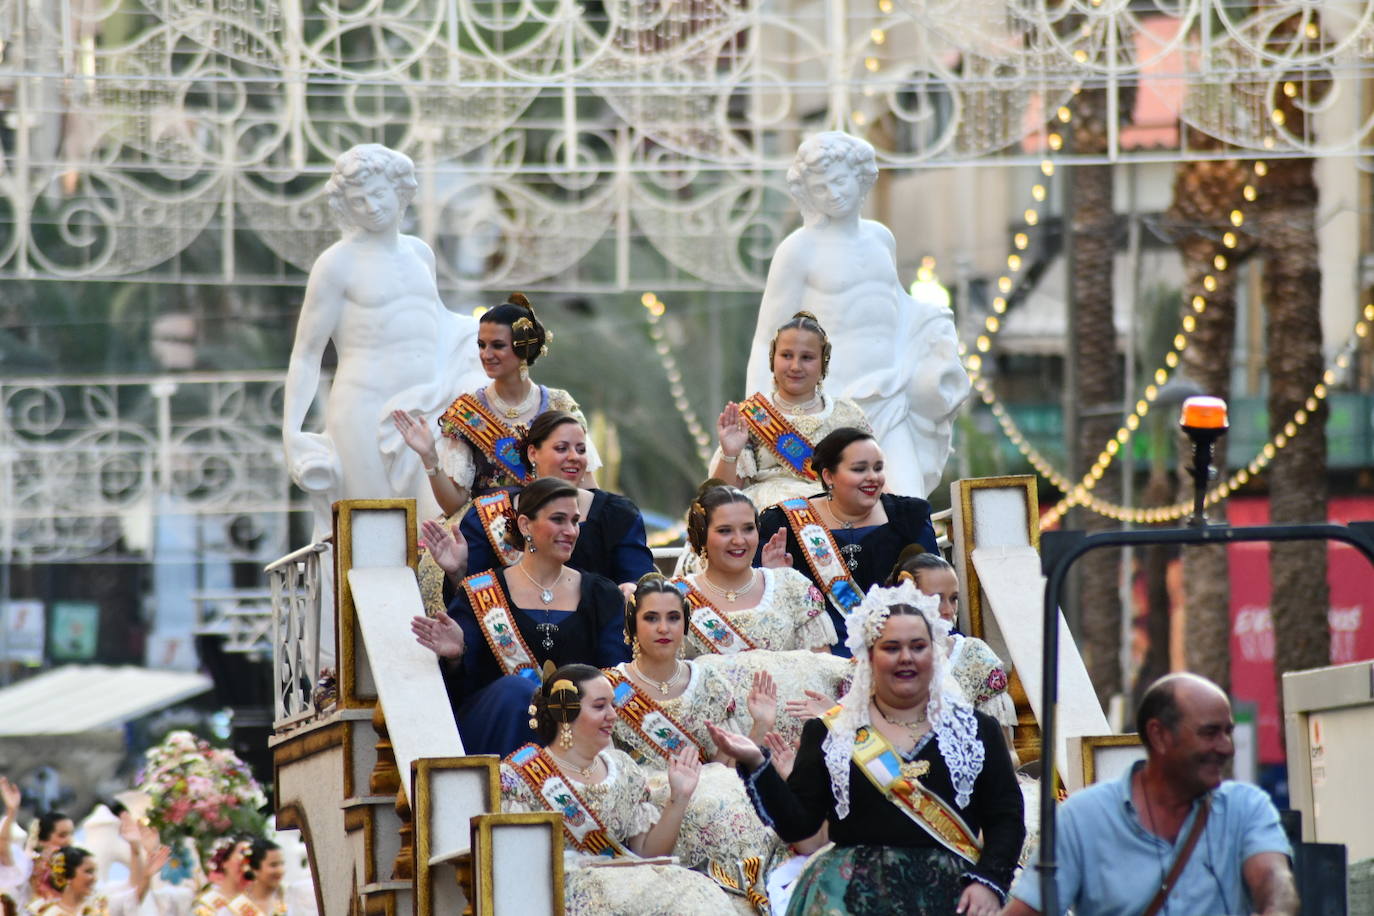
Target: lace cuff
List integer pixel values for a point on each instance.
(970, 877)
(817, 633)
(455, 460)
(746, 468)
(751, 786)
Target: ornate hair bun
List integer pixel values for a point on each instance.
(564, 701)
(520, 300)
(805, 314)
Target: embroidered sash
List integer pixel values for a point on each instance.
(492, 609)
(496, 512)
(769, 426)
(649, 720)
(470, 418)
(579, 822)
(875, 756)
(711, 628)
(822, 554)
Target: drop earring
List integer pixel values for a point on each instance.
(524, 370)
(565, 739)
(634, 647)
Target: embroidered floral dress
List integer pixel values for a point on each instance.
(242, 906)
(765, 479)
(209, 902)
(788, 622)
(119, 903)
(622, 805)
(720, 825)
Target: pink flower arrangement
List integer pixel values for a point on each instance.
(199, 793)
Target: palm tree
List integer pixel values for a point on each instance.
(1198, 220)
(1098, 387)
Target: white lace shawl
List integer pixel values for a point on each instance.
(950, 715)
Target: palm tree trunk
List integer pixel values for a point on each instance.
(1299, 599)
(1093, 240)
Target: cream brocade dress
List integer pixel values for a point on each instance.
(720, 824)
(621, 803)
(789, 621)
(765, 479)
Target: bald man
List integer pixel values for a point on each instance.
(1116, 842)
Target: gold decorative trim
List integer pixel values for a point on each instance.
(421, 778)
(482, 865)
(972, 588)
(346, 615)
(292, 817)
(1089, 744)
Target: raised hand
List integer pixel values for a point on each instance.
(813, 707)
(775, 555)
(415, 431)
(684, 770)
(731, 432)
(449, 550)
(159, 857)
(439, 634)
(736, 746)
(762, 703)
(784, 754)
(11, 795)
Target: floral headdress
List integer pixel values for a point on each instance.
(949, 714)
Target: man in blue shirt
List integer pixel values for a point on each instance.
(1118, 841)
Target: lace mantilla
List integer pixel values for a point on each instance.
(950, 716)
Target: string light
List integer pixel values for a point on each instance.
(1080, 493)
(656, 309)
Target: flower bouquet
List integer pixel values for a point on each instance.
(199, 793)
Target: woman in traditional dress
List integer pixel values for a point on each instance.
(916, 786)
(72, 875)
(52, 831)
(612, 539)
(980, 674)
(847, 538)
(746, 620)
(477, 451)
(263, 869)
(225, 871)
(766, 442)
(664, 704)
(604, 797)
(505, 624)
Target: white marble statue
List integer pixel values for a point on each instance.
(374, 293)
(897, 357)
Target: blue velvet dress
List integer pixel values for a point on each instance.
(871, 552)
(492, 708)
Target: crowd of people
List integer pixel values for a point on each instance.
(790, 723)
(713, 715)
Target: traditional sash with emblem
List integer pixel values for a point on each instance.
(648, 719)
(491, 607)
(900, 784)
(712, 628)
(470, 418)
(496, 512)
(822, 554)
(771, 428)
(579, 823)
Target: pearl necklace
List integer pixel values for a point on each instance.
(530, 401)
(545, 591)
(584, 772)
(663, 686)
(810, 404)
(913, 728)
(730, 594)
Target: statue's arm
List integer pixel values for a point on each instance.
(782, 296)
(324, 303)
